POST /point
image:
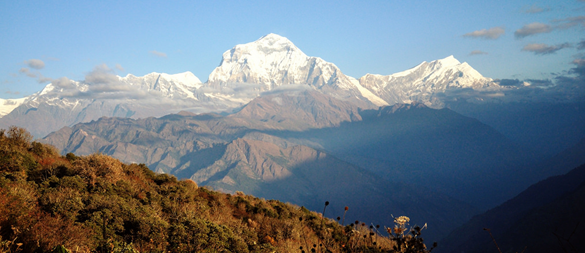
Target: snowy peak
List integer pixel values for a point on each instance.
(273, 61)
(451, 66)
(425, 80)
(187, 78)
(66, 93)
(274, 41)
(183, 83)
(448, 62)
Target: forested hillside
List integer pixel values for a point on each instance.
(96, 203)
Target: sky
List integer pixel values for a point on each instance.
(42, 41)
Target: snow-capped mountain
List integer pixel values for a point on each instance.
(268, 65)
(181, 86)
(7, 105)
(273, 62)
(65, 102)
(424, 81)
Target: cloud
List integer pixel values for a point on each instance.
(477, 52)
(492, 33)
(101, 74)
(293, 88)
(539, 82)
(571, 87)
(570, 22)
(102, 83)
(524, 83)
(581, 45)
(103, 79)
(235, 90)
(566, 87)
(532, 29)
(543, 49)
(27, 72)
(159, 54)
(580, 69)
(35, 63)
(43, 79)
(535, 9)
(64, 83)
(509, 82)
(119, 67)
(36, 74)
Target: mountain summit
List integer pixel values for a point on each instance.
(425, 80)
(273, 62)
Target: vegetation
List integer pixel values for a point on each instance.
(53, 203)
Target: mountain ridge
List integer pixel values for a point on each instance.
(530, 206)
(270, 64)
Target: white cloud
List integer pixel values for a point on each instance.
(492, 33)
(35, 63)
(27, 72)
(535, 9)
(159, 54)
(570, 22)
(477, 52)
(64, 83)
(543, 49)
(532, 29)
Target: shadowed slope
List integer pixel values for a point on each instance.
(555, 205)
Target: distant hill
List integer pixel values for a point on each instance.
(438, 149)
(546, 128)
(565, 160)
(546, 217)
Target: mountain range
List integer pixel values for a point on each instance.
(270, 64)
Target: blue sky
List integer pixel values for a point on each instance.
(44, 40)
